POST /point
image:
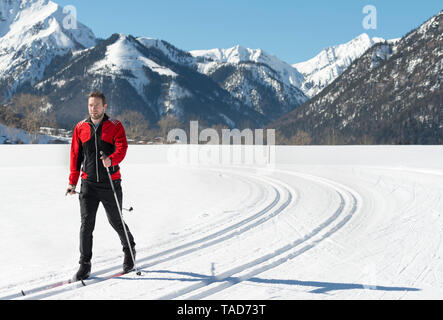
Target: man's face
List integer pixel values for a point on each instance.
(96, 108)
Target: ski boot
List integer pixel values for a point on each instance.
(128, 262)
(83, 272)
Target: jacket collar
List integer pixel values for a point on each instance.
(105, 118)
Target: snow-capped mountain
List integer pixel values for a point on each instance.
(260, 80)
(330, 63)
(391, 94)
(32, 33)
(210, 60)
(174, 54)
(139, 76)
(40, 55)
(123, 59)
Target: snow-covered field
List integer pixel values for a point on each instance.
(322, 223)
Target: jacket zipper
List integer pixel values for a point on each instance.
(96, 153)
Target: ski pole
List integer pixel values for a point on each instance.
(124, 209)
(121, 217)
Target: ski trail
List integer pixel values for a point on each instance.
(193, 246)
(282, 254)
(260, 196)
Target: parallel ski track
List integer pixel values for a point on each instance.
(285, 253)
(233, 230)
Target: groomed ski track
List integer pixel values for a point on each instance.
(282, 197)
(314, 219)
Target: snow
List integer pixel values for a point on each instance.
(237, 54)
(123, 56)
(431, 23)
(382, 53)
(266, 69)
(32, 33)
(330, 63)
(320, 223)
(14, 135)
(175, 94)
(413, 63)
(171, 52)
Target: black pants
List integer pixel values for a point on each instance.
(91, 195)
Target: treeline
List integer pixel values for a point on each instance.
(31, 113)
(138, 129)
(28, 112)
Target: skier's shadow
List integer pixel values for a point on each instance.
(319, 286)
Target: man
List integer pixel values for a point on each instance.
(92, 136)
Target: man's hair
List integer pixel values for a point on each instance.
(98, 94)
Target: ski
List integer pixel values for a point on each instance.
(24, 293)
(64, 284)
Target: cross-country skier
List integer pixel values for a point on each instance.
(94, 135)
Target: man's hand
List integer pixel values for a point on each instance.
(106, 161)
(71, 190)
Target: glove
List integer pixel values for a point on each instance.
(70, 190)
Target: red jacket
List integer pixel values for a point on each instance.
(88, 141)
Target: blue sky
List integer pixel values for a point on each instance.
(290, 29)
